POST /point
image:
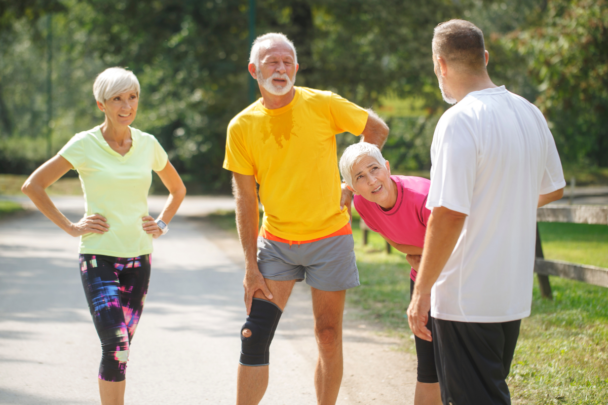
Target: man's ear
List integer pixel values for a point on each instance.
(252, 71)
(443, 66)
(388, 166)
(487, 56)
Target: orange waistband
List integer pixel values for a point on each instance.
(345, 230)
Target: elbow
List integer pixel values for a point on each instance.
(385, 129)
(180, 192)
(26, 187)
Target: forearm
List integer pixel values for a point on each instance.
(42, 201)
(375, 131)
(172, 205)
(247, 223)
(442, 234)
(247, 217)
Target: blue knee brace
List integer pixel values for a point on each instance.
(262, 322)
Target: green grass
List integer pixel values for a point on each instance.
(575, 243)
(562, 352)
(10, 184)
(8, 207)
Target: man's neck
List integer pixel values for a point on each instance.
(274, 102)
(469, 83)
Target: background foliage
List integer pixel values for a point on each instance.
(190, 57)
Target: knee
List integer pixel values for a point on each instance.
(328, 338)
(257, 333)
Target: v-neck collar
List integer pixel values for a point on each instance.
(96, 132)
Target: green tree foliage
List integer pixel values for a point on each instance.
(566, 55)
(191, 58)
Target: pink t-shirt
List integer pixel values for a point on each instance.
(405, 223)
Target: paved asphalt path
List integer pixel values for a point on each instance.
(186, 348)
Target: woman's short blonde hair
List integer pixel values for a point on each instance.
(113, 81)
(355, 153)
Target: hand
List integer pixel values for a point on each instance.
(346, 198)
(418, 315)
(414, 261)
(151, 227)
(254, 281)
(91, 224)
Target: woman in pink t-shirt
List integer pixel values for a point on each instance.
(394, 207)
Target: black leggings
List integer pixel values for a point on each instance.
(116, 290)
(427, 372)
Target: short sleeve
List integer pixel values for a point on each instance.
(424, 212)
(73, 152)
(553, 176)
(347, 116)
(160, 157)
(362, 211)
(237, 158)
(454, 166)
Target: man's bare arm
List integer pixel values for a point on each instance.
(375, 131)
(442, 233)
(545, 199)
(247, 223)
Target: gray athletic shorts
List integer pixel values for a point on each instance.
(327, 264)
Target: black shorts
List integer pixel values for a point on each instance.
(427, 373)
(473, 361)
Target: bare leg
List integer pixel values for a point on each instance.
(328, 309)
(112, 393)
(427, 394)
(253, 381)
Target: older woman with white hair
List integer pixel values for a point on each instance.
(394, 206)
(115, 163)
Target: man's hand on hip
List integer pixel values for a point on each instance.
(254, 281)
(418, 315)
(346, 198)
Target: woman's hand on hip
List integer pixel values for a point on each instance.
(91, 224)
(151, 227)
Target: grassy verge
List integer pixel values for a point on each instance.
(562, 353)
(10, 184)
(8, 207)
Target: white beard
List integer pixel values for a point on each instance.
(267, 84)
(446, 97)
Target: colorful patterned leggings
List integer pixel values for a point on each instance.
(116, 290)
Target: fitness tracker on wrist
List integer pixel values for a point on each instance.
(163, 227)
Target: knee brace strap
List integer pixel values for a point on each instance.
(262, 322)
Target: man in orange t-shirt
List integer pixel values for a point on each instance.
(286, 142)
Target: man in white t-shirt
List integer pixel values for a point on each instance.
(494, 161)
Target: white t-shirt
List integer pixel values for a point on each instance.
(492, 156)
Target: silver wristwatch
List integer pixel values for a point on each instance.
(163, 227)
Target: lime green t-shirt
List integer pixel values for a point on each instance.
(116, 187)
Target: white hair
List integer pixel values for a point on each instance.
(353, 154)
(113, 81)
(267, 40)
